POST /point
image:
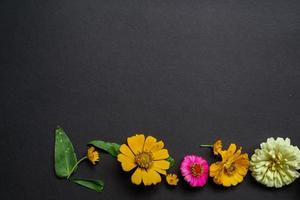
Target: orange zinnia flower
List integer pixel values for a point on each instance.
(232, 169)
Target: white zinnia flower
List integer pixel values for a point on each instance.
(276, 163)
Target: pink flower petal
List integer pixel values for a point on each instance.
(185, 172)
(199, 182)
(188, 178)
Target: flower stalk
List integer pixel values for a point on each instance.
(75, 166)
(206, 145)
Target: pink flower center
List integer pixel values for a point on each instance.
(196, 169)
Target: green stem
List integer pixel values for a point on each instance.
(206, 145)
(78, 162)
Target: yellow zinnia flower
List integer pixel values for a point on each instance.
(93, 155)
(232, 169)
(147, 156)
(172, 179)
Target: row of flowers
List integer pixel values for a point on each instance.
(274, 164)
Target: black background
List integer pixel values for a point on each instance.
(187, 72)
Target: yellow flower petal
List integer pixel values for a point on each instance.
(126, 151)
(161, 164)
(146, 179)
(161, 154)
(224, 154)
(159, 170)
(242, 170)
(136, 143)
(149, 142)
(236, 155)
(123, 158)
(215, 168)
(157, 146)
(242, 161)
(127, 166)
(155, 177)
(231, 149)
(217, 180)
(137, 176)
(151, 177)
(238, 177)
(229, 152)
(126, 162)
(227, 181)
(243, 158)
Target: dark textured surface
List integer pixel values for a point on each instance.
(187, 72)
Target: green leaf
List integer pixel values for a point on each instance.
(111, 148)
(172, 161)
(96, 185)
(64, 155)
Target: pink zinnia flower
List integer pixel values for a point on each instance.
(194, 169)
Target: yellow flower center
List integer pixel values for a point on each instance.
(196, 169)
(144, 159)
(276, 162)
(171, 180)
(229, 168)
